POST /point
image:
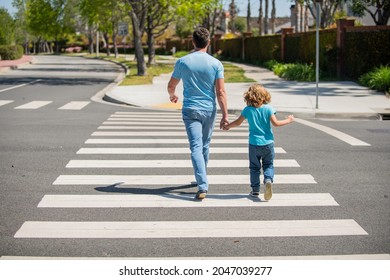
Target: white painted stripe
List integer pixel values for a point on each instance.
(163, 133)
(289, 258)
(174, 179)
(34, 105)
(165, 113)
(162, 141)
(185, 200)
(168, 163)
(140, 120)
(131, 127)
(74, 105)
(138, 151)
(145, 123)
(189, 229)
(335, 133)
(146, 116)
(21, 85)
(5, 102)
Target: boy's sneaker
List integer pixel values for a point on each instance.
(201, 194)
(254, 194)
(268, 190)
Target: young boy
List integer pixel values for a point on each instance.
(260, 115)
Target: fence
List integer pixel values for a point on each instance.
(346, 51)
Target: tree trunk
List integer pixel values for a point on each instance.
(266, 18)
(151, 49)
(107, 40)
(260, 21)
(139, 51)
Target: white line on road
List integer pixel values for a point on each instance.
(127, 151)
(34, 105)
(185, 200)
(21, 85)
(131, 127)
(163, 133)
(161, 141)
(335, 133)
(4, 102)
(74, 105)
(160, 180)
(169, 163)
(189, 229)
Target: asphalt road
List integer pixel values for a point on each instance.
(37, 145)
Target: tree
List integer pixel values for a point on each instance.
(138, 12)
(328, 9)
(233, 14)
(266, 18)
(260, 20)
(248, 17)
(273, 17)
(7, 25)
(379, 10)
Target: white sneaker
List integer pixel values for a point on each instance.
(268, 190)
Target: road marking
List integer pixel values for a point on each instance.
(21, 85)
(34, 105)
(161, 124)
(161, 141)
(132, 127)
(185, 200)
(169, 163)
(189, 229)
(163, 133)
(5, 102)
(158, 180)
(138, 151)
(335, 133)
(74, 105)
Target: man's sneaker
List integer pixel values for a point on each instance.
(254, 194)
(268, 190)
(201, 194)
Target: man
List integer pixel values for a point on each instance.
(203, 80)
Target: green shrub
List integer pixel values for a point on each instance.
(180, 54)
(378, 79)
(294, 72)
(11, 52)
(270, 64)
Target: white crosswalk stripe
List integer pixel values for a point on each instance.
(169, 163)
(33, 105)
(185, 200)
(74, 105)
(5, 102)
(153, 134)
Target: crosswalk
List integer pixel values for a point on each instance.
(130, 147)
(39, 104)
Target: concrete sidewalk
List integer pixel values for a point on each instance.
(335, 100)
(6, 65)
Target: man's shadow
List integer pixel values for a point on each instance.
(174, 192)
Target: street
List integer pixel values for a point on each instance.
(81, 178)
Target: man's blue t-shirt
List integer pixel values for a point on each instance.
(259, 120)
(199, 71)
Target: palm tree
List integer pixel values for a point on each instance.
(273, 16)
(266, 18)
(260, 21)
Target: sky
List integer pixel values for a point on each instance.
(282, 7)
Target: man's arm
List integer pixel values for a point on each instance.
(222, 101)
(172, 84)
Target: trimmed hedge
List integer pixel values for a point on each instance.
(365, 50)
(11, 52)
(261, 49)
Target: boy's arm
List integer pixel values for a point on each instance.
(235, 123)
(276, 122)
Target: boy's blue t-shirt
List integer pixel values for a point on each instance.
(199, 71)
(259, 120)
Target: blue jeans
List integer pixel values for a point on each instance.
(261, 156)
(199, 126)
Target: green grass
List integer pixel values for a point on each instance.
(234, 74)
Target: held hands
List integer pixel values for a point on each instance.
(224, 122)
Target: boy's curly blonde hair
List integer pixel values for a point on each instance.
(256, 96)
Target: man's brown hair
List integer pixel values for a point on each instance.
(201, 37)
